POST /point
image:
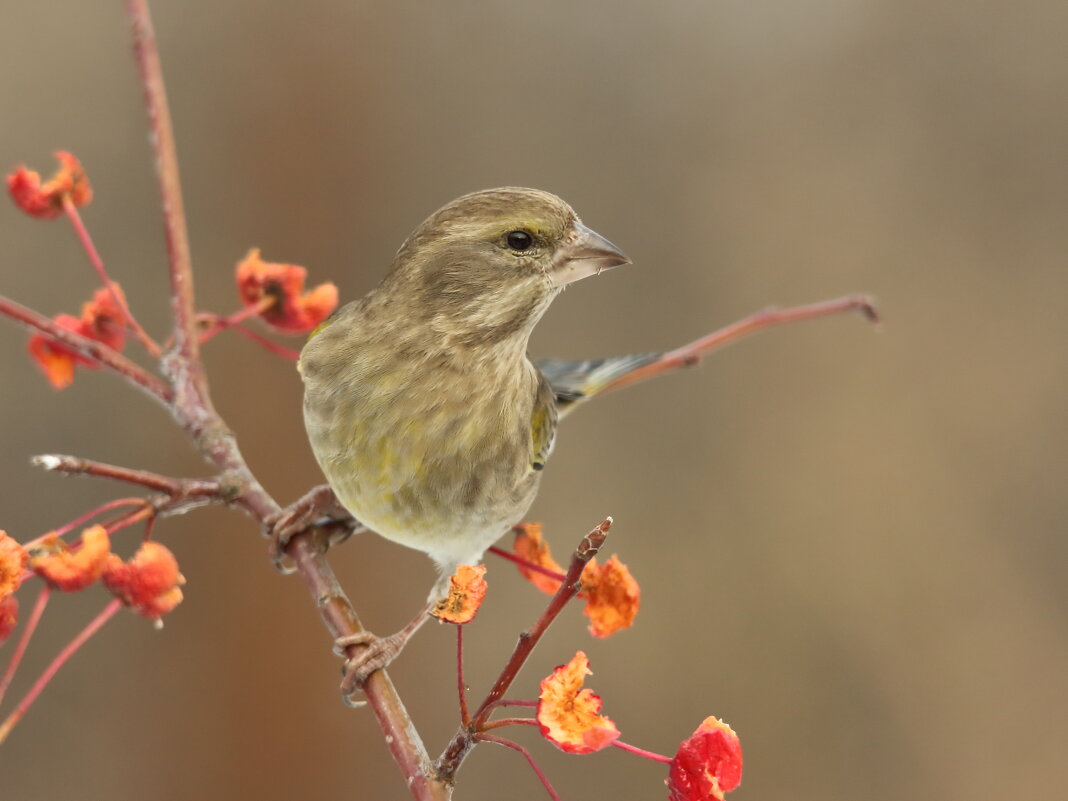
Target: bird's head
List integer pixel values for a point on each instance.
(485, 267)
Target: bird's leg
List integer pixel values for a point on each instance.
(314, 506)
(377, 652)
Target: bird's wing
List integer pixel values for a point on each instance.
(543, 424)
(575, 381)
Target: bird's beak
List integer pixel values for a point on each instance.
(588, 253)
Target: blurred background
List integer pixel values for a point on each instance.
(851, 542)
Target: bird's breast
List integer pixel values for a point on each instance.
(427, 455)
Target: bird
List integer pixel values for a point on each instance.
(428, 418)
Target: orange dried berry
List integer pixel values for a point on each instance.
(69, 569)
(9, 616)
(530, 547)
(612, 596)
(293, 311)
(467, 588)
(149, 583)
(569, 716)
(708, 764)
(45, 201)
(13, 561)
(102, 320)
(55, 359)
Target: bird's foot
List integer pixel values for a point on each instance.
(317, 506)
(377, 653)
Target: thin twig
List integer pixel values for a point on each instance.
(94, 512)
(526, 564)
(96, 352)
(24, 639)
(587, 549)
(462, 742)
(337, 613)
(263, 342)
(98, 264)
(692, 353)
(216, 323)
(465, 717)
(502, 722)
(61, 659)
(633, 749)
(148, 528)
(129, 519)
(166, 156)
(489, 738)
(175, 487)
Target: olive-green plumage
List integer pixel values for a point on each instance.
(422, 408)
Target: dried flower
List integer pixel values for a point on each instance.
(611, 593)
(293, 311)
(9, 616)
(467, 588)
(568, 716)
(69, 569)
(13, 561)
(530, 546)
(149, 582)
(612, 596)
(45, 201)
(102, 320)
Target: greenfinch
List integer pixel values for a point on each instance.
(423, 409)
(428, 418)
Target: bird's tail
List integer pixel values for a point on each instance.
(576, 381)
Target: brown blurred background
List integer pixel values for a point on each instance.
(851, 543)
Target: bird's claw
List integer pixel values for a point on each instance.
(280, 530)
(377, 653)
(318, 503)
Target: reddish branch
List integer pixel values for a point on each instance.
(178, 253)
(690, 354)
(307, 553)
(24, 639)
(98, 264)
(193, 409)
(61, 659)
(209, 488)
(464, 740)
(489, 738)
(97, 352)
(526, 564)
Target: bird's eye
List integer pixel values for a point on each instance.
(520, 240)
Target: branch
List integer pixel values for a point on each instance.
(29, 627)
(159, 123)
(489, 738)
(98, 264)
(194, 412)
(587, 549)
(692, 353)
(61, 659)
(97, 352)
(307, 552)
(464, 740)
(209, 488)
